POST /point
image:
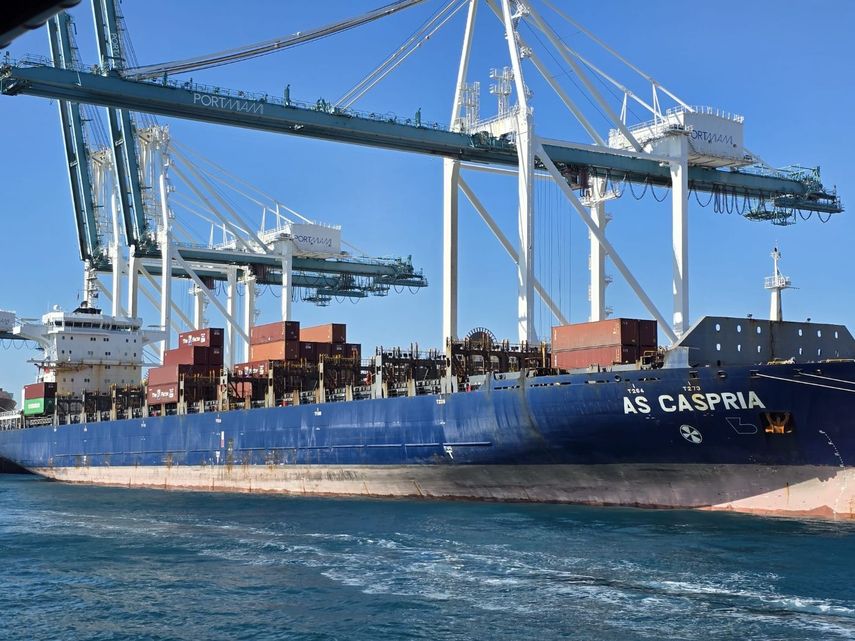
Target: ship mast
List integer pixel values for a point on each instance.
(776, 284)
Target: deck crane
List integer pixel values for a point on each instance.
(659, 159)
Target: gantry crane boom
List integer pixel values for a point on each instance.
(207, 104)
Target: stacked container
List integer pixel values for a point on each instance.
(198, 356)
(275, 342)
(287, 341)
(602, 343)
(39, 399)
(330, 339)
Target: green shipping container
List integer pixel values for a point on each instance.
(38, 406)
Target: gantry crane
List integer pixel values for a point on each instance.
(157, 254)
(655, 154)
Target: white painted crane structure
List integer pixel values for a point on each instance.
(677, 146)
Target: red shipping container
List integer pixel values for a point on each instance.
(648, 333)
(278, 351)
(612, 331)
(39, 390)
(329, 333)
(600, 356)
(275, 332)
(186, 355)
(210, 337)
(253, 369)
(159, 394)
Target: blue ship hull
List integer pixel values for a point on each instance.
(669, 437)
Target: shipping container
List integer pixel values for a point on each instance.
(39, 406)
(328, 333)
(277, 351)
(312, 351)
(346, 350)
(648, 333)
(595, 356)
(275, 332)
(172, 373)
(252, 369)
(609, 332)
(215, 356)
(353, 350)
(210, 337)
(186, 355)
(159, 394)
(39, 390)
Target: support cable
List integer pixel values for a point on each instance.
(350, 102)
(256, 50)
(413, 37)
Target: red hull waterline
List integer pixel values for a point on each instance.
(796, 491)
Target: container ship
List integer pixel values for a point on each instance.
(741, 414)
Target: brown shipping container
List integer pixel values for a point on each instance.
(252, 369)
(601, 356)
(353, 350)
(186, 355)
(612, 331)
(328, 333)
(171, 373)
(648, 333)
(210, 337)
(312, 351)
(39, 390)
(215, 356)
(159, 394)
(275, 332)
(278, 351)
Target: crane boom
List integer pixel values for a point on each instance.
(268, 46)
(213, 105)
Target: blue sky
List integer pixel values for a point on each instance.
(785, 66)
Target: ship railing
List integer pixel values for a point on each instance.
(10, 420)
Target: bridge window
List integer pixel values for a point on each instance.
(717, 327)
(801, 332)
(819, 333)
(739, 328)
(759, 330)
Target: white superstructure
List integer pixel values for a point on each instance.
(87, 351)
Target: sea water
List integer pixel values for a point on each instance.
(80, 562)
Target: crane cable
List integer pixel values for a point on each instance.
(393, 60)
(230, 56)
